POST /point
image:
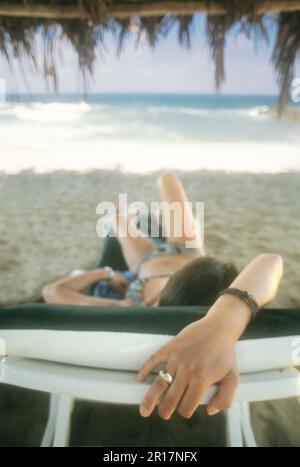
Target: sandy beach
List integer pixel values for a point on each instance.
(126, 156)
(48, 222)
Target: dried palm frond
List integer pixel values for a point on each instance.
(217, 28)
(97, 10)
(242, 14)
(286, 50)
(151, 29)
(184, 31)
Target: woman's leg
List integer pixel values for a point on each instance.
(135, 244)
(180, 224)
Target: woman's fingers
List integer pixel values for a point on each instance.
(158, 357)
(172, 397)
(226, 394)
(192, 398)
(157, 389)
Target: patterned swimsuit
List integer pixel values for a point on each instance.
(135, 289)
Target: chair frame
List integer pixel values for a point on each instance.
(68, 383)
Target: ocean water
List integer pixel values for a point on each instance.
(146, 132)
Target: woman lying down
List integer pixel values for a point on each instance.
(170, 274)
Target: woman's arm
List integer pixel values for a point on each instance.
(67, 291)
(261, 279)
(203, 353)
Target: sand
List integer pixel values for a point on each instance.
(47, 228)
(48, 222)
(50, 156)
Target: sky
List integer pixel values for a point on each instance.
(169, 68)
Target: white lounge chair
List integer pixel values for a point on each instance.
(94, 354)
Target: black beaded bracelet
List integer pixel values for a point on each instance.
(245, 296)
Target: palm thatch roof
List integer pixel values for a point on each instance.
(84, 23)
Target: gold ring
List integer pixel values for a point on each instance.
(166, 376)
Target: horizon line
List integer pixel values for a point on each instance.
(131, 93)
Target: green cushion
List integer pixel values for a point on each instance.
(164, 320)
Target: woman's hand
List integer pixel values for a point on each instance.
(203, 353)
(119, 283)
(200, 356)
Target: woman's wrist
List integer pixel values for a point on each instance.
(231, 314)
(99, 274)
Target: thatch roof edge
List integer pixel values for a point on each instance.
(85, 22)
(142, 9)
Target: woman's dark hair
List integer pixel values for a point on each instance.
(198, 283)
